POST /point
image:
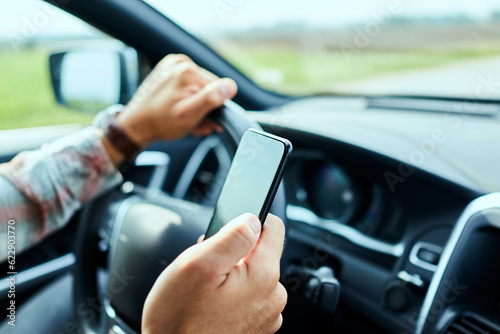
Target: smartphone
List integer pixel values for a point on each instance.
(253, 178)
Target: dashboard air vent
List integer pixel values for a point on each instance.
(472, 324)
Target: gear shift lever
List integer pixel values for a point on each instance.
(322, 288)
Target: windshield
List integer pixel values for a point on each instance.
(444, 48)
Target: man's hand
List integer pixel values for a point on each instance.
(173, 101)
(228, 283)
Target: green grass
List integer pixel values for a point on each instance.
(317, 71)
(26, 96)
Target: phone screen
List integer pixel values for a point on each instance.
(252, 178)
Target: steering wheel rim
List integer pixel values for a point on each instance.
(92, 307)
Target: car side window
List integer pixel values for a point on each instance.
(30, 31)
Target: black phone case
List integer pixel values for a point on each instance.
(278, 176)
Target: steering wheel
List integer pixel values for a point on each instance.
(114, 272)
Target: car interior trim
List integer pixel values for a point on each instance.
(160, 161)
(429, 104)
(117, 330)
(414, 279)
(117, 226)
(19, 140)
(418, 262)
(115, 235)
(49, 268)
(306, 216)
(478, 205)
(115, 325)
(193, 165)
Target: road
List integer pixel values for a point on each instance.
(477, 78)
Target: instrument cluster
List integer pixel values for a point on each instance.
(334, 193)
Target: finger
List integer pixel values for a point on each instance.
(271, 243)
(207, 127)
(281, 297)
(200, 76)
(209, 76)
(277, 324)
(212, 125)
(189, 73)
(200, 239)
(202, 129)
(234, 241)
(191, 90)
(208, 98)
(175, 58)
(165, 68)
(202, 132)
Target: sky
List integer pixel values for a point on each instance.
(23, 15)
(198, 15)
(243, 13)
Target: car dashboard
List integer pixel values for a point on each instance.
(383, 245)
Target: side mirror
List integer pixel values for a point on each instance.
(93, 80)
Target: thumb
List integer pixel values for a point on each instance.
(209, 97)
(234, 241)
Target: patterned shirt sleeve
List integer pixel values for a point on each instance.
(40, 190)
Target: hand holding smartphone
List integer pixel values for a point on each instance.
(253, 178)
